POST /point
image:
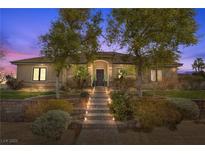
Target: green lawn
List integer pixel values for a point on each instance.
(190, 94)
(15, 94)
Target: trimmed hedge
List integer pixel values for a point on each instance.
(152, 112)
(186, 107)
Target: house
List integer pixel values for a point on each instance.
(102, 71)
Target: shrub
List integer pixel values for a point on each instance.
(152, 112)
(123, 83)
(42, 106)
(84, 94)
(187, 108)
(120, 106)
(13, 83)
(192, 82)
(51, 124)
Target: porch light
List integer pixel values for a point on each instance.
(113, 118)
(85, 119)
(107, 91)
(109, 101)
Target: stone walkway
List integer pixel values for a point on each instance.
(98, 123)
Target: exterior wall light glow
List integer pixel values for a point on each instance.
(85, 119)
(109, 101)
(113, 119)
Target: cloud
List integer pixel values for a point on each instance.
(11, 55)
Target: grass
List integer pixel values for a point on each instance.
(15, 94)
(189, 94)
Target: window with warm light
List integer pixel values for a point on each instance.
(156, 75)
(39, 74)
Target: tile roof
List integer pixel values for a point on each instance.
(115, 57)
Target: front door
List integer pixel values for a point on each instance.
(100, 77)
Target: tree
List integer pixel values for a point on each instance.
(75, 32)
(81, 75)
(198, 65)
(151, 35)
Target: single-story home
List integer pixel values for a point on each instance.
(102, 71)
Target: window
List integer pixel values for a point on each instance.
(156, 75)
(39, 74)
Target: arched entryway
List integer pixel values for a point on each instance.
(100, 73)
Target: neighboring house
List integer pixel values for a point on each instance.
(102, 71)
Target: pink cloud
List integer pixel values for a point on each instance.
(11, 55)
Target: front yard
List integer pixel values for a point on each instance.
(20, 132)
(16, 94)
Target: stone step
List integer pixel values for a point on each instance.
(100, 92)
(99, 124)
(101, 110)
(100, 100)
(99, 103)
(102, 118)
(99, 96)
(99, 116)
(97, 108)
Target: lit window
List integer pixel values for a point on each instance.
(156, 75)
(36, 74)
(159, 75)
(39, 74)
(153, 75)
(43, 74)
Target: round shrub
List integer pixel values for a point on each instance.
(152, 112)
(51, 124)
(33, 111)
(186, 107)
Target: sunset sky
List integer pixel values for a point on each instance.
(21, 28)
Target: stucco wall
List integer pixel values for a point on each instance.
(25, 73)
(130, 69)
(169, 78)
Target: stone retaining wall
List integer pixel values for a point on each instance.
(13, 110)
